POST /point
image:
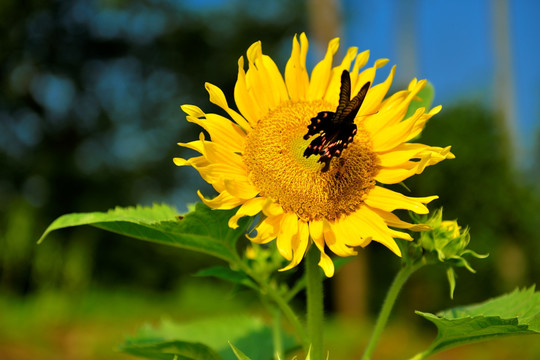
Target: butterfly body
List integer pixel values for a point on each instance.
(335, 130)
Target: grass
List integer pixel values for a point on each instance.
(89, 325)
(402, 340)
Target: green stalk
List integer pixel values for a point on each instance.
(289, 313)
(273, 294)
(277, 339)
(389, 301)
(315, 311)
(276, 333)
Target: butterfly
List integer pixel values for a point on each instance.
(335, 130)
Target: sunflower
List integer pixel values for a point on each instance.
(311, 154)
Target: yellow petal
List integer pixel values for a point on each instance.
(275, 80)
(199, 163)
(181, 162)
(222, 172)
(389, 200)
(367, 75)
(399, 158)
(348, 233)
(257, 81)
(196, 145)
(299, 245)
(321, 73)
(394, 109)
(374, 226)
(438, 154)
(396, 175)
(401, 154)
(288, 229)
(326, 264)
(392, 220)
(335, 243)
(272, 208)
(224, 201)
(379, 63)
(419, 125)
(400, 235)
(222, 131)
(242, 189)
(196, 162)
(250, 208)
(245, 103)
(393, 135)
(316, 233)
(220, 154)
(376, 94)
(192, 110)
(334, 85)
(267, 230)
(359, 62)
(217, 97)
(296, 76)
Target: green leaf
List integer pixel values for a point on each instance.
(247, 332)
(239, 355)
(172, 350)
(226, 273)
(423, 99)
(203, 230)
(511, 314)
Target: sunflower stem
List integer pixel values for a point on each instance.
(289, 313)
(389, 301)
(315, 311)
(276, 333)
(269, 291)
(277, 339)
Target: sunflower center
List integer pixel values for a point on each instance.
(274, 155)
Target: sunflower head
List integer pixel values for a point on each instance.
(311, 152)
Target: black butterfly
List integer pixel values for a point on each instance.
(336, 130)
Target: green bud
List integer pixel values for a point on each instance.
(446, 243)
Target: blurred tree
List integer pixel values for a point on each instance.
(482, 190)
(90, 118)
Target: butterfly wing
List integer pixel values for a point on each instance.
(344, 95)
(331, 140)
(320, 125)
(352, 108)
(335, 130)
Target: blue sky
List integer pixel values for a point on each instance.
(454, 49)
